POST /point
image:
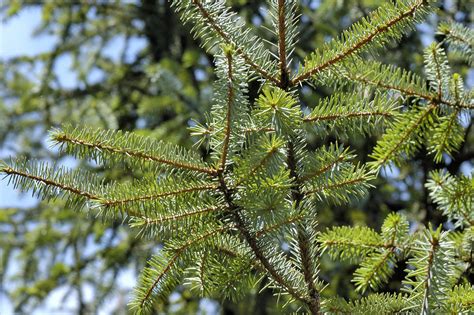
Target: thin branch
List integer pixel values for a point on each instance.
(302, 237)
(148, 221)
(251, 130)
(337, 185)
(427, 283)
(466, 216)
(367, 244)
(284, 73)
(74, 190)
(346, 115)
(273, 227)
(322, 169)
(227, 39)
(438, 73)
(458, 38)
(430, 98)
(251, 240)
(256, 167)
(407, 133)
(367, 39)
(110, 202)
(177, 254)
(230, 102)
(137, 154)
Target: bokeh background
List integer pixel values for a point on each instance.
(131, 65)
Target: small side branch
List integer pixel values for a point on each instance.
(388, 154)
(228, 122)
(100, 146)
(425, 308)
(111, 202)
(385, 28)
(314, 118)
(254, 169)
(302, 237)
(52, 183)
(465, 214)
(176, 217)
(251, 240)
(284, 75)
(407, 92)
(212, 22)
(273, 227)
(336, 185)
(175, 258)
(323, 169)
(438, 74)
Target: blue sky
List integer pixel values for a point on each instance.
(16, 39)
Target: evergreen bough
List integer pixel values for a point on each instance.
(249, 212)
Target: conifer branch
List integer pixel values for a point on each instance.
(428, 274)
(49, 182)
(450, 199)
(378, 30)
(385, 151)
(130, 152)
(257, 166)
(284, 73)
(258, 252)
(252, 241)
(438, 74)
(302, 237)
(111, 202)
(175, 217)
(251, 130)
(360, 110)
(351, 181)
(446, 140)
(406, 91)
(228, 118)
(376, 303)
(221, 220)
(308, 270)
(276, 226)
(372, 275)
(315, 118)
(430, 279)
(351, 243)
(341, 157)
(219, 30)
(228, 252)
(178, 252)
(356, 243)
(459, 38)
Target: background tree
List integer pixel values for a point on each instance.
(129, 95)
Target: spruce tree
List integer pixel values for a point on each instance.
(248, 213)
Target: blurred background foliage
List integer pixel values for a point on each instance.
(132, 65)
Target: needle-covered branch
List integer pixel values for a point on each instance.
(107, 146)
(50, 182)
(387, 23)
(215, 24)
(243, 210)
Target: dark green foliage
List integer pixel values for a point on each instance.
(459, 38)
(373, 304)
(454, 195)
(246, 214)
